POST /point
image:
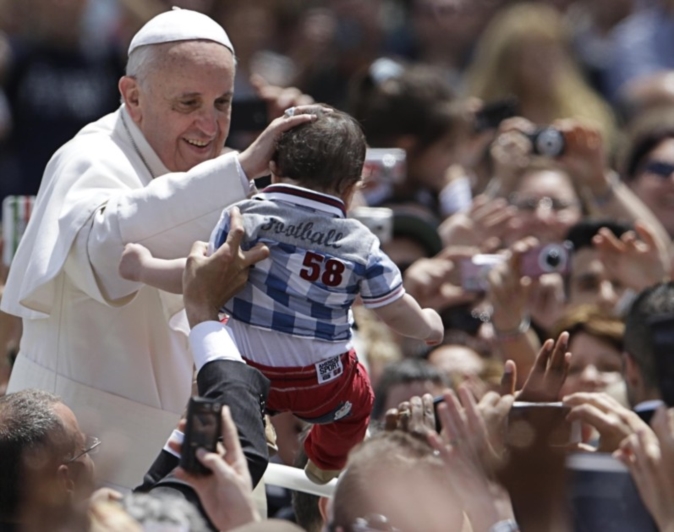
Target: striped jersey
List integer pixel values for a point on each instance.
(319, 262)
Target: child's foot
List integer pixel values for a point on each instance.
(320, 476)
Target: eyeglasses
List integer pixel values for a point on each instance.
(90, 447)
(659, 168)
(532, 204)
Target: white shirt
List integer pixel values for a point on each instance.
(115, 351)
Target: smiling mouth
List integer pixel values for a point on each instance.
(197, 143)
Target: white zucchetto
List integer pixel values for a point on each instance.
(180, 25)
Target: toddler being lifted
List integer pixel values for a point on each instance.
(293, 320)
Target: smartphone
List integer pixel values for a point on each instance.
(474, 271)
(493, 113)
(379, 220)
(249, 115)
(204, 427)
(527, 421)
(549, 258)
(16, 212)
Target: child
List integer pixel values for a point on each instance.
(292, 320)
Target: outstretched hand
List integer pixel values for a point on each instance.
(209, 282)
(548, 373)
(227, 494)
(636, 262)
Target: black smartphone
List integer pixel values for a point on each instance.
(492, 114)
(204, 427)
(249, 115)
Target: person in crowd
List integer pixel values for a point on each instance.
(524, 53)
(152, 172)
(640, 44)
(404, 379)
(647, 163)
(37, 429)
(596, 341)
(49, 51)
(301, 216)
(645, 95)
(411, 108)
(644, 373)
(592, 25)
(44, 459)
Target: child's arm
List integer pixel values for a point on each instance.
(406, 317)
(139, 265)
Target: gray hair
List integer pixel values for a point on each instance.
(144, 59)
(31, 434)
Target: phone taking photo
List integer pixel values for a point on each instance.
(204, 427)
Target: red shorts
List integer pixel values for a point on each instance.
(334, 394)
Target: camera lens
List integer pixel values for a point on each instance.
(553, 258)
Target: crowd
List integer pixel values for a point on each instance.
(448, 285)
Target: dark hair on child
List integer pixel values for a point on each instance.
(326, 154)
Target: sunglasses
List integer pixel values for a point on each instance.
(659, 168)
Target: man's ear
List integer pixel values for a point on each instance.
(130, 91)
(65, 480)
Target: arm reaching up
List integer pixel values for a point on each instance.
(406, 317)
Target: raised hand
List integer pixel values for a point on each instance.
(548, 373)
(636, 262)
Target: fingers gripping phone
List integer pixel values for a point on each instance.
(204, 427)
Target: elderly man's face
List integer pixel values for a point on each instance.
(184, 106)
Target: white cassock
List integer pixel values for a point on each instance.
(115, 351)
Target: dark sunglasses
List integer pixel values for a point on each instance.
(659, 168)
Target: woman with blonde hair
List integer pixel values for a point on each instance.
(524, 52)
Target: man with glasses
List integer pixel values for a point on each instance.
(45, 461)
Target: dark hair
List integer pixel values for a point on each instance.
(417, 101)
(594, 321)
(644, 137)
(326, 154)
(28, 424)
(581, 234)
(654, 302)
(406, 371)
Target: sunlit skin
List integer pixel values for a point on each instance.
(589, 282)
(544, 222)
(595, 365)
(183, 107)
(655, 191)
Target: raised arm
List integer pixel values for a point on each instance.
(406, 317)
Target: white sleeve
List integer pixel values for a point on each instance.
(212, 340)
(167, 216)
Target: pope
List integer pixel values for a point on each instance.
(153, 172)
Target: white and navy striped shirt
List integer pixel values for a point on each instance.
(320, 261)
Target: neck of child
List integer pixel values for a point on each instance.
(345, 197)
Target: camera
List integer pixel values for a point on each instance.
(204, 427)
(548, 142)
(549, 258)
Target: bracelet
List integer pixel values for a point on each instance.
(518, 331)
